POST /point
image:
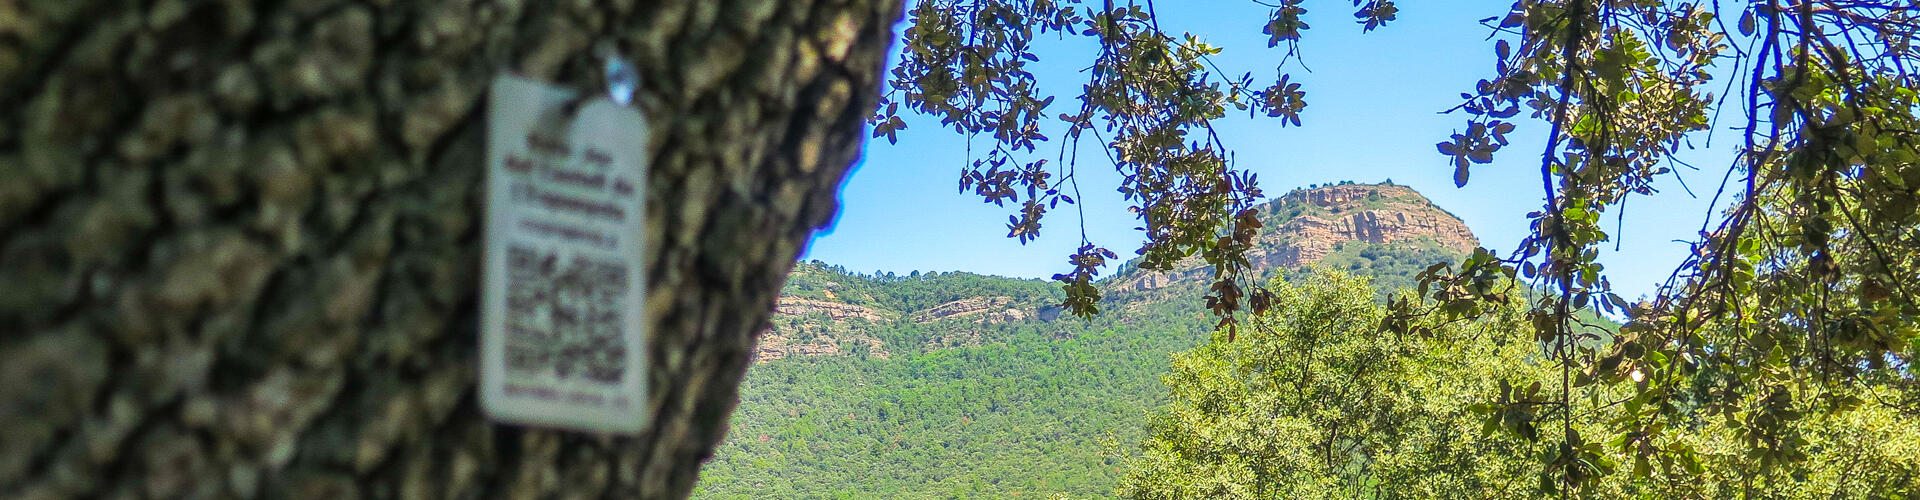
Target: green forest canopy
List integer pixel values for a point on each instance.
(1031, 406)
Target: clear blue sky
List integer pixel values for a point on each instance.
(1373, 115)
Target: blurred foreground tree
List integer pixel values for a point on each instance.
(239, 239)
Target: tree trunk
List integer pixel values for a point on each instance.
(240, 239)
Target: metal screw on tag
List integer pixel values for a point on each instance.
(622, 80)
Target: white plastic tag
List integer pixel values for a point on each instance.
(562, 326)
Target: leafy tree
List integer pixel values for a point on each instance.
(1307, 404)
(1300, 406)
(1790, 295)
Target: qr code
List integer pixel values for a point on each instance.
(564, 316)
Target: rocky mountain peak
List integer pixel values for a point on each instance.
(1345, 194)
(1306, 226)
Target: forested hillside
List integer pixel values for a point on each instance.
(957, 385)
(939, 385)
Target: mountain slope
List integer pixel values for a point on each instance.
(957, 385)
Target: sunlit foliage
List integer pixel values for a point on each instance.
(1309, 404)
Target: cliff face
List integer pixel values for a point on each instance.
(1379, 214)
(989, 310)
(1307, 225)
(836, 311)
(776, 344)
(826, 310)
(815, 327)
(803, 334)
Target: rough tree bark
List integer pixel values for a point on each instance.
(239, 239)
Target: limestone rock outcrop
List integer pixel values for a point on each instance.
(992, 309)
(803, 338)
(776, 345)
(835, 311)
